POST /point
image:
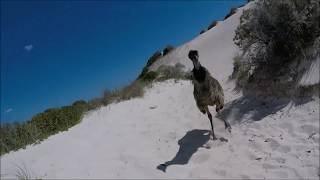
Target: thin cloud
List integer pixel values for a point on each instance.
(28, 47)
(9, 110)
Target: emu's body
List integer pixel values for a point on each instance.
(207, 90)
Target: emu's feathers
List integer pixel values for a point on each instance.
(207, 90)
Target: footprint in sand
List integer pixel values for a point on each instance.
(269, 166)
(222, 173)
(284, 149)
(250, 155)
(275, 145)
(201, 158)
(307, 129)
(172, 135)
(281, 174)
(231, 149)
(289, 127)
(280, 160)
(245, 177)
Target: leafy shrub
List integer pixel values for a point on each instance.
(57, 120)
(133, 90)
(279, 39)
(22, 172)
(150, 76)
(172, 72)
(109, 97)
(17, 135)
(150, 61)
(202, 31)
(213, 24)
(305, 91)
(231, 12)
(80, 103)
(167, 49)
(241, 72)
(95, 103)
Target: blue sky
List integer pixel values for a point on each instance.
(56, 52)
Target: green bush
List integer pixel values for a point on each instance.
(231, 12)
(95, 103)
(172, 72)
(241, 72)
(213, 24)
(279, 40)
(17, 135)
(167, 49)
(150, 76)
(202, 31)
(150, 61)
(56, 120)
(133, 90)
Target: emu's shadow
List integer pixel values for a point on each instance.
(189, 144)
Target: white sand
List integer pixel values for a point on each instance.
(131, 139)
(312, 76)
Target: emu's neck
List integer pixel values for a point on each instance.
(196, 65)
(199, 74)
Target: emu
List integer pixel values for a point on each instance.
(207, 90)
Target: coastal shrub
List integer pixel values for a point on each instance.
(202, 31)
(241, 72)
(150, 76)
(231, 12)
(167, 49)
(95, 103)
(17, 135)
(213, 24)
(150, 61)
(279, 40)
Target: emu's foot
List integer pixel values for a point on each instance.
(228, 128)
(222, 139)
(213, 137)
(162, 167)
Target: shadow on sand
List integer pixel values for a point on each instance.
(249, 108)
(189, 144)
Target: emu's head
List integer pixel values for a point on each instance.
(194, 56)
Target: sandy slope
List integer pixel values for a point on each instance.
(216, 48)
(131, 139)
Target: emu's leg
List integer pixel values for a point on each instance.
(226, 123)
(210, 118)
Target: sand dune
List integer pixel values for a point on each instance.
(133, 139)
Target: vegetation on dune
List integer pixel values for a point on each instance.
(167, 49)
(150, 61)
(157, 55)
(202, 31)
(17, 135)
(213, 24)
(279, 41)
(14, 136)
(231, 12)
